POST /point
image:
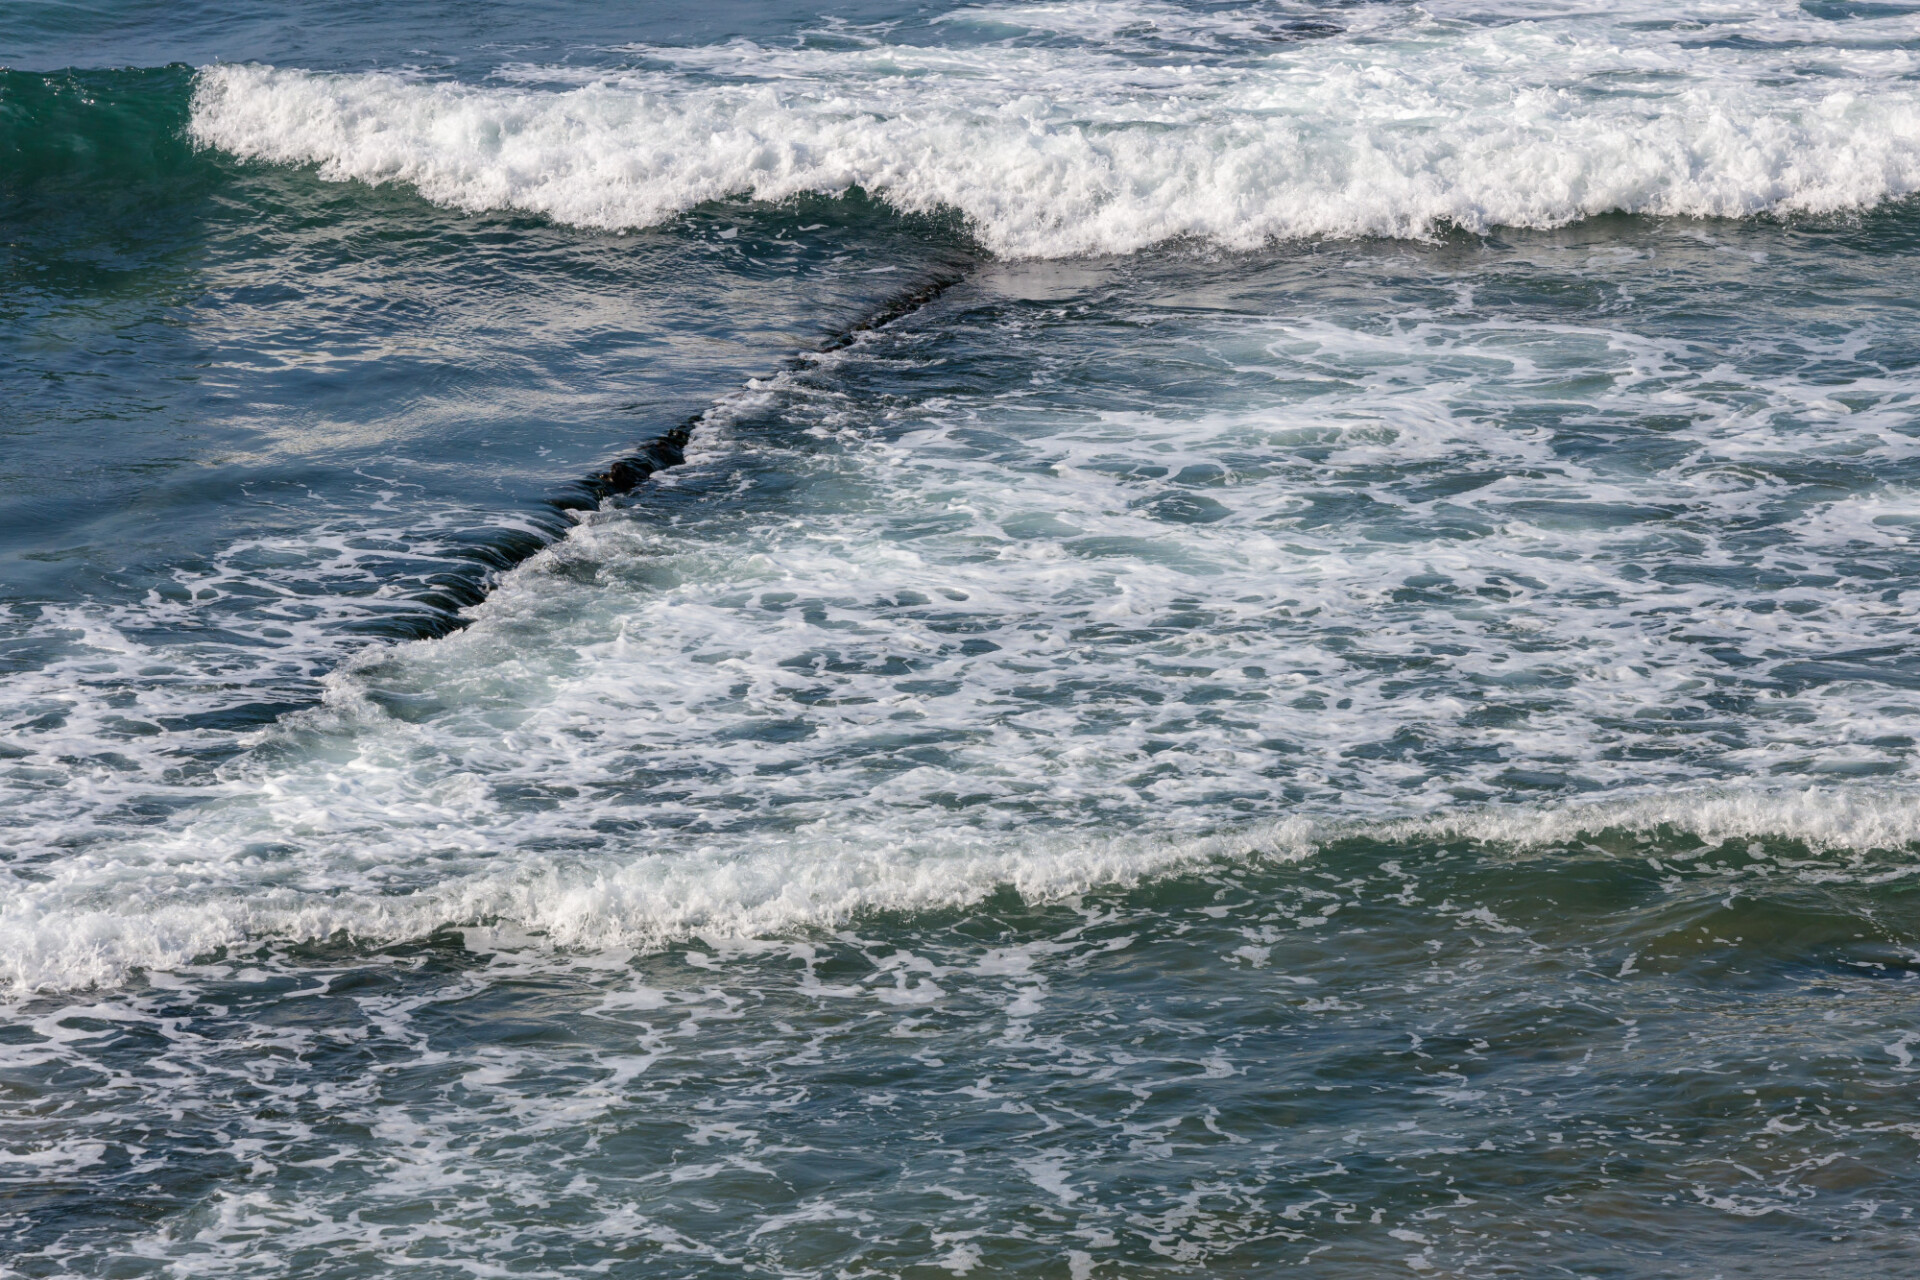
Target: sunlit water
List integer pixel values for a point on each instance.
(1283, 636)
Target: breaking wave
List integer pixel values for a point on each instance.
(1065, 130)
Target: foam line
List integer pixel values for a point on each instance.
(804, 884)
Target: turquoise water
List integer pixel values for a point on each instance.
(1074, 640)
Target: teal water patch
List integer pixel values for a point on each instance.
(94, 136)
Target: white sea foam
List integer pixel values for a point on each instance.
(896, 651)
(1853, 819)
(182, 903)
(1153, 122)
(222, 897)
(116, 710)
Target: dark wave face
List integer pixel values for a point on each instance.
(80, 140)
(1078, 640)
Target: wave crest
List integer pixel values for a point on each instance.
(833, 878)
(1095, 147)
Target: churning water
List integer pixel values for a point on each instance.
(1084, 640)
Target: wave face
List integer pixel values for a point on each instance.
(94, 131)
(1103, 127)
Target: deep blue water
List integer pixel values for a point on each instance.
(1090, 640)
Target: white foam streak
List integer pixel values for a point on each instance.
(45, 943)
(1391, 131)
(1854, 819)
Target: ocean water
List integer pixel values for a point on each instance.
(1086, 640)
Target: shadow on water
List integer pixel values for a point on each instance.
(494, 551)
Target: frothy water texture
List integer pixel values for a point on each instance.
(1230, 636)
(1105, 127)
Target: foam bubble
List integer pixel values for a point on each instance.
(1154, 123)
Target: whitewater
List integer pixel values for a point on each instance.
(1079, 640)
(705, 714)
(1236, 127)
